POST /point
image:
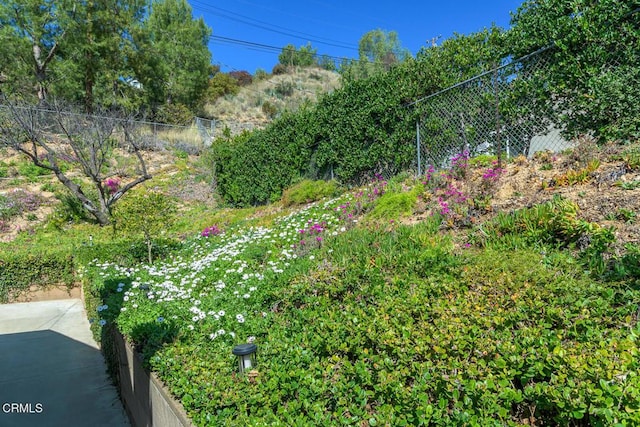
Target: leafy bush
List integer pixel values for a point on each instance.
(145, 213)
(220, 85)
(284, 89)
(592, 68)
(175, 114)
(279, 69)
(307, 191)
(631, 158)
(554, 223)
(269, 109)
(127, 252)
(260, 74)
(393, 205)
(69, 210)
(24, 269)
(483, 160)
(255, 167)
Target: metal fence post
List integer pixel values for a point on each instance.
(497, 101)
(418, 146)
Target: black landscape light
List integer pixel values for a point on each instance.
(246, 356)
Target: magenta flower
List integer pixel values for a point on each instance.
(211, 231)
(112, 184)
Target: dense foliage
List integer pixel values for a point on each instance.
(390, 325)
(254, 168)
(303, 57)
(130, 53)
(172, 57)
(147, 213)
(593, 77)
(24, 270)
(365, 127)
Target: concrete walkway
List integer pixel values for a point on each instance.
(51, 370)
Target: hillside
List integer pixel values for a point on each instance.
(480, 295)
(606, 194)
(258, 103)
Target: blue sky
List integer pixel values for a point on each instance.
(248, 34)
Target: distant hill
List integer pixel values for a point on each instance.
(255, 105)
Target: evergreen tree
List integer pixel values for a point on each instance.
(173, 60)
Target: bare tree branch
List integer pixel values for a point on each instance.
(46, 137)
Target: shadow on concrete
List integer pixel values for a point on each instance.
(49, 379)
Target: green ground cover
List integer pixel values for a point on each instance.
(382, 324)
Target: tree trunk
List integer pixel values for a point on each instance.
(101, 216)
(41, 75)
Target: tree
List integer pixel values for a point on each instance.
(378, 51)
(50, 138)
(32, 31)
(382, 47)
(173, 60)
(73, 50)
(14, 71)
(305, 56)
(147, 213)
(592, 77)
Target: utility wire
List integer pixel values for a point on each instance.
(270, 48)
(269, 27)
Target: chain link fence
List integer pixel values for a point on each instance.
(152, 136)
(493, 113)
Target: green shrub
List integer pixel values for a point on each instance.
(269, 109)
(260, 74)
(126, 252)
(553, 223)
(279, 69)
(631, 158)
(482, 161)
(307, 191)
(254, 168)
(145, 214)
(220, 85)
(69, 210)
(175, 114)
(23, 269)
(393, 205)
(284, 89)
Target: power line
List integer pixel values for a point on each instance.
(269, 27)
(270, 48)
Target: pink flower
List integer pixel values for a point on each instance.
(112, 184)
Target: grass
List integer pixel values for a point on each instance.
(307, 191)
(186, 139)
